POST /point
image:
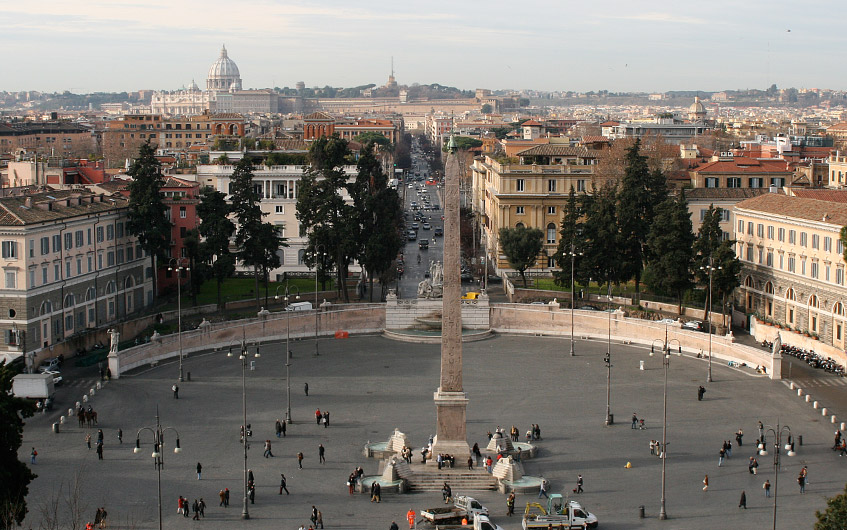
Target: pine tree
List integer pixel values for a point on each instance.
(216, 228)
(569, 241)
(602, 258)
(15, 476)
(671, 243)
(710, 245)
(835, 515)
(146, 218)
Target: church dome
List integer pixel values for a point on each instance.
(697, 107)
(223, 74)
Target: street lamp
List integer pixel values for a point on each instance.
(608, 361)
(179, 265)
(710, 269)
(245, 514)
(318, 261)
(158, 453)
(666, 362)
(287, 342)
(789, 448)
(573, 254)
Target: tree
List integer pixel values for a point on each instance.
(728, 275)
(322, 211)
(465, 143)
(711, 244)
(569, 240)
(198, 270)
(486, 109)
(635, 214)
(835, 516)
(372, 137)
(521, 245)
(146, 216)
(602, 257)
(216, 228)
(268, 244)
(671, 240)
(15, 476)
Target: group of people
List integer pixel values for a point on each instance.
(198, 507)
(656, 448)
(99, 442)
(353, 479)
(533, 433)
(322, 417)
(725, 452)
(445, 460)
(840, 444)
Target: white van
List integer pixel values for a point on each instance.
(299, 306)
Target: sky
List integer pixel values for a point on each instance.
(617, 45)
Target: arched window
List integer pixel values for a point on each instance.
(46, 307)
(301, 255)
(90, 294)
(551, 233)
(790, 300)
(813, 301)
(769, 300)
(748, 282)
(110, 288)
(519, 225)
(769, 288)
(129, 282)
(69, 300)
(814, 320)
(838, 325)
(789, 295)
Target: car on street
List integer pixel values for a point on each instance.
(666, 321)
(426, 226)
(57, 377)
(694, 325)
(438, 231)
(423, 244)
(588, 308)
(50, 365)
(411, 235)
(415, 225)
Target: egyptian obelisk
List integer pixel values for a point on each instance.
(450, 399)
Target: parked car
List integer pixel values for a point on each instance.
(694, 325)
(666, 321)
(57, 377)
(588, 308)
(49, 365)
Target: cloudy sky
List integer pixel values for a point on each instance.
(638, 45)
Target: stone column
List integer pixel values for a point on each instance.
(450, 400)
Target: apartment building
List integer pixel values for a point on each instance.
(792, 263)
(742, 172)
(531, 193)
(69, 266)
(181, 198)
(55, 138)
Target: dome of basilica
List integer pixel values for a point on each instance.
(223, 74)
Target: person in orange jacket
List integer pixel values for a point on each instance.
(410, 516)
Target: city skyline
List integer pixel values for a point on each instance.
(650, 47)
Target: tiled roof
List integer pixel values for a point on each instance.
(700, 194)
(174, 182)
(841, 126)
(557, 150)
(323, 116)
(821, 195)
(15, 212)
(745, 165)
(610, 124)
(592, 139)
(834, 213)
(531, 123)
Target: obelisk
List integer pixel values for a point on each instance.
(450, 399)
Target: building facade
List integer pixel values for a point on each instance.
(792, 263)
(181, 198)
(54, 138)
(69, 266)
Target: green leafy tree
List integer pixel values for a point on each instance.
(521, 245)
(602, 257)
(486, 109)
(835, 515)
(671, 241)
(146, 216)
(322, 211)
(711, 244)
(216, 228)
(372, 137)
(198, 270)
(728, 275)
(15, 476)
(569, 240)
(268, 244)
(844, 242)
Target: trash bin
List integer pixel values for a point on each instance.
(188, 374)
(641, 511)
(611, 419)
(56, 427)
(800, 439)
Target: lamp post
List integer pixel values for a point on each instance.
(318, 261)
(710, 269)
(287, 349)
(666, 363)
(573, 254)
(179, 265)
(777, 445)
(608, 361)
(158, 449)
(245, 514)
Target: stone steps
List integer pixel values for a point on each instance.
(420, 477)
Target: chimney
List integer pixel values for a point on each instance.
(28, 202)
(773, 188)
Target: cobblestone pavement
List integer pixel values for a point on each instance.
(371, 385)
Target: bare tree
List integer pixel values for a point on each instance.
(65, 507)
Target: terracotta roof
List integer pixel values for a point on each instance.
(590, 139)
(323, 116)
(15, 212)
(834, 213)
(700, 194)
(285, 144)
(745, 165)
(174, 182)
(821, 195)
(557, 150)
(610, 124)
(531, 123)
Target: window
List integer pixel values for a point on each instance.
(69, 241)
(803, 267)
(79, 238)
(760, 230)
(100, 260)
(769, 259)
(57, 243)
(711, 182)
(120, 256)
(813, 269)
(11, 279)
(90, 260)
(279, 209)
(770, 232)
(519, 210)
(780, 234)
(130, 254)
(31, 248)
(761, 255)
(792, 237)
(43, 274)
(120, 229)
(580, 185)
(110, 259)
(749, 229)
(520, 184)
(826, 273)
(778, 182)
(10, 249)
(551, 233)
(31, 278)
(756, 182)
(57, 272)
(88, 238)
(182, 212)
(781, 261)
(750, 253)
(733, 182)
(99, 234)
(69, 322)
(45, 245)
(79, 266)
(827, 244)
(551, 210)
(724, 215)
(816, 241)
(182, 231)
(839, 276)
(740, 226)
(791, 263)
(839, 247)
(67, 269)
(803, 239)
(110, 232)
(703, 215)
(551, 185)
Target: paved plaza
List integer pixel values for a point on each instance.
(372, 385)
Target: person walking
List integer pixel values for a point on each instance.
(251, 490)
(314, 516)
(393, 526)
(226, 497)
(99, 451)
(326, 419)
(120, 436)
(634, 421)
(376, 492)
(742, 503)
(470, 463)
(306, 388)
(284, 423)
(410, 516)
(579, 484)
(175, 390)
(542, 489)
(318, 416)
(199, 471)
(223, 500)
(320, 520)
(739, 435)
(801, 480)
(700, 393)
(202, 508)
(300, 460)
(268, 452)
(278, 428)
(103, 515)
(721, 455)
(88, 440)
(32, 455)
(767, 487)
(196, 509)
(510, 504)
(282, 484)
(729, 448)
(321, 453)
(706, 483)
(351, 482)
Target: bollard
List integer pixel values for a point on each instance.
(641, 512)
(61, 419)
(815, 404)
(823, 411)
(641, 365)
(91, 391)
(71, 411)
(85, 398)
(808, 398)
(843, 426)
(800, 439)
(56, 428)
(834, 420)
(97, 386)
(77, 407)
(800, 392)
(792, 386)
(188, 376)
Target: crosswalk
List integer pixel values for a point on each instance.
(822, 382)
(79, 383)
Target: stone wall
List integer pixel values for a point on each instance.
(761, 332)
(402, 313)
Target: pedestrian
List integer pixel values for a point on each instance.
(326, 419)
(97, 517)
(706, 483)
(99, 451)
(470, 463)
(186, 508)
(652, 447)
(489, 436)
(196, 508)
(476, 453)
(221, 495)
(729, 448)
(250, 475)
(761, 431)
(579, 484)
(751, 466)
(446, 493)
(393, 526)
(376, 492)
(738, 436)
(489, 464)
(226, 497)
(306, 388)
(202, 508)
(801, 480)
(700, 392)
(510, 504)
(742, 503)
(284, 423)
(268, 452)
(199, 471)
(300, 460)
(721, 455)
(542, 489)
(410, 516)
(103, 515)
(321, 453)
(251, 490)
(175, 389)
(120, 436)
(767, 487)
(314, 516)
(180, 504)
(634, 421)
(537, 431)
(88, 440)
(320, 520)
(99, 436)
(32, 455)
(278, 428)
(318, 416)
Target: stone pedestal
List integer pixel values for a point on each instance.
(451, 432)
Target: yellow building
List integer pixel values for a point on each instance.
(531, 192)
(793, 265)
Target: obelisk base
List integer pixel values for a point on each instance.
(451, 435)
